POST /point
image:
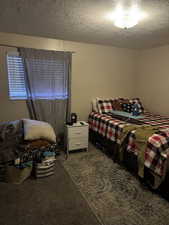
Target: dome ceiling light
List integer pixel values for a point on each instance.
(126, 17)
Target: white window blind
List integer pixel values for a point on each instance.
(16, 79)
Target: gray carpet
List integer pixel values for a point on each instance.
(49, 201)
(113, 193)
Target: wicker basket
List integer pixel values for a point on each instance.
(17, 175)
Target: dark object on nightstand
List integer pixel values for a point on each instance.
(73, 118)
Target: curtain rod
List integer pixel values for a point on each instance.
(3, 45)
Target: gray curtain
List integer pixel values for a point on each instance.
(47, 78)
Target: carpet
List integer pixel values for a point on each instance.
(48, 201)
(114, 194)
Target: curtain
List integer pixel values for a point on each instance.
(47, 80)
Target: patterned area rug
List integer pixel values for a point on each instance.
(114, 194)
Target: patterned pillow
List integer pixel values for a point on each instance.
(127, 107)
(105, 106)
(120, 104)
(116, 105)
(137, 100)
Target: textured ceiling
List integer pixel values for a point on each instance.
(85, 21)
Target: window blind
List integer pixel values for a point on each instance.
(48, 78)
(16, 81)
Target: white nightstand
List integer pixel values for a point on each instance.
(76, 136)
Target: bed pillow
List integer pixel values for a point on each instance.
(34, 130)
(117, 104)
(105, 106)
(127, 107)
(138, 102)
(94, 105)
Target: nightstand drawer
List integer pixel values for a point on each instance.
(77, 143)
(75, 132)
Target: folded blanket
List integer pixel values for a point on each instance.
(142, 133)
(127, 117)
(123, 138)
(35, 144)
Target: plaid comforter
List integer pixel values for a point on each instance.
(157, 150)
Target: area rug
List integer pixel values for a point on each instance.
(47, 201)
(114, 194)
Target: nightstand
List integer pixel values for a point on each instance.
(76, 136)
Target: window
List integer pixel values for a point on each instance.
(16, 79)
(48, 76)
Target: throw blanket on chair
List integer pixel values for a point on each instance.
(11, 134)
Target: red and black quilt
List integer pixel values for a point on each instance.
(157, 150)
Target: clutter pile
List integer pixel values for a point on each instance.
(27, 147)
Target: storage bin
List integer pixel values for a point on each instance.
(44, 169)
(17, 175)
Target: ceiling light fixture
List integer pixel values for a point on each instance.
(126, 17)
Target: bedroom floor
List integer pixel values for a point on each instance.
(87, 189)
(114, 194)
(49, 201)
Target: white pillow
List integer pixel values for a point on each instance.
(34, 130)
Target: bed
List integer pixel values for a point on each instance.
(106, 130)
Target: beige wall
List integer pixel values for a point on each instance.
(152, 79)
(9, 110)
(97, 71)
